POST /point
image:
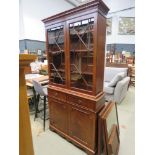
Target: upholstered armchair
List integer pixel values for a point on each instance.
(116, 83)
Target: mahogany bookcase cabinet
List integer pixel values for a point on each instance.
(75, 42)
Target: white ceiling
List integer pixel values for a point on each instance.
(114, 5)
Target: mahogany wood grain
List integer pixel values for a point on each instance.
(74, 111)
(114, 141)
(25, 135)
(101, 37)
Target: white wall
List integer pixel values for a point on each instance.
(114, 37)
(115, 6)
(31, 13)
(21, 21)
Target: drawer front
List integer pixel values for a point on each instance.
(57, 95)
(81, 102)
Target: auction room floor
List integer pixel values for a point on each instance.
(50, 143)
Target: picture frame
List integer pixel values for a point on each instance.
(108, 130)
(109, 26)
(126, 26)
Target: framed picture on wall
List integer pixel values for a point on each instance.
(109, 26)
(126, 26)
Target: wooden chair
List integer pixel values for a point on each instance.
(130, 60)
(132, 76)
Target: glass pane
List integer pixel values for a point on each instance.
(81, 54)
(56, 54)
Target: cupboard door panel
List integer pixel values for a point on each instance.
(82, 124)
(59, 115)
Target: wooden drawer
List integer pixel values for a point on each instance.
(81, 102)
(57, 95)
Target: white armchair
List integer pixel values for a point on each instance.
(116, 83)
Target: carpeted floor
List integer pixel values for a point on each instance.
(50, 143)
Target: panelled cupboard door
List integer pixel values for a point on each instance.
(59, 115)
(81, 52)
(83, 129)
(56, 47)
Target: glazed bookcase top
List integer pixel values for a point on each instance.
(75, 45)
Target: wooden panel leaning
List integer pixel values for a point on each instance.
(108, 130)
(113, 143)
(25, 135)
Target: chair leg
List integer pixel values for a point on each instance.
(34, 97)
(44, 111)
(36, 106)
